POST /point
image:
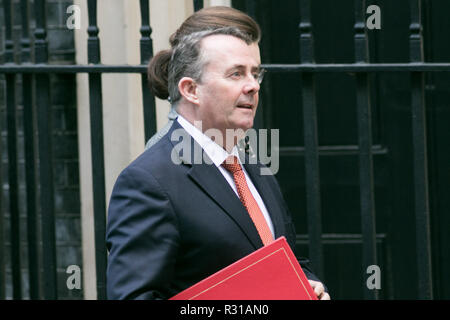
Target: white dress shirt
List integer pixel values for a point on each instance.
(218, 155)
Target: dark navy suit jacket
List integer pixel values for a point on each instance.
(171, 225)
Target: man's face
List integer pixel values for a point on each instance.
(228, 92)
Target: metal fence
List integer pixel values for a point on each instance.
(37, 73)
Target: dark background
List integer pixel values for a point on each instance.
(333, 32)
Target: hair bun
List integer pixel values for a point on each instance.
(157, 72)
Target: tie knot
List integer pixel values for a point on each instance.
(231, 164)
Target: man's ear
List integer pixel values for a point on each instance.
(188, 89)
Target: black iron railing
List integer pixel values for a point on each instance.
(38, 72)
(423, 244)
(312, 175)
(97, 150)
(43, 112)
(367, 201)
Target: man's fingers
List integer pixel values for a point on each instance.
(325, 296)
(319, 290)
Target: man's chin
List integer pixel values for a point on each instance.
(242, 129)
(245, 124)
(237, 133)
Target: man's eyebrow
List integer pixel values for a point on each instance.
(236, 66)
(241, 66)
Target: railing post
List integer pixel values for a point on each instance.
(198, 4)
(312, 172)
(146, 44)
(43, 107)
(250, 8)
(266, 93)
(422, 212)
(367, 197)
(2, 214)
(98, 163)
(11, 124)
(2, 227)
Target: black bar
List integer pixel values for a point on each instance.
(98, 163)
(148, 100)
(306, 36)
(266, 94)
(25, 42)
(2, 212)
(11, 125)
(9, 45)
(423, 242)
(198, 4)
(367, 196)
(312, 171)
(2, 234)
(30, 159)
(250, 8)
(273, 68)
(342, 238)
(346, 150)
(258, 121)
(367, 202)
(43, 108)
(13, 185)
(358, 67)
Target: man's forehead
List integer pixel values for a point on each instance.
(227, 48)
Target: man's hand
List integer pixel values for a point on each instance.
(319, 290)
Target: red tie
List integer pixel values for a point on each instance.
(232, 165)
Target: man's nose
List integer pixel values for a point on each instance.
(251, 85)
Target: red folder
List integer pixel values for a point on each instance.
(270, 273)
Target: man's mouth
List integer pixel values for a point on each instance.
(245, 106)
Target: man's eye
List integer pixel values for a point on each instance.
(236, 74)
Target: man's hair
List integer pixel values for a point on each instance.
(188, 60)
(209, 18)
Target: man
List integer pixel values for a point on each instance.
(173, 220)
(208, 18)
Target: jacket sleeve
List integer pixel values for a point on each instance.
(141, 237)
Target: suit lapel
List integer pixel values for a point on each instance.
(208, 177)
(212, 182)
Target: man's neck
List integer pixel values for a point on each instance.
(226, 139)
(215, 151)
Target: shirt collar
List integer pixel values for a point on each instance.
(215, 152)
